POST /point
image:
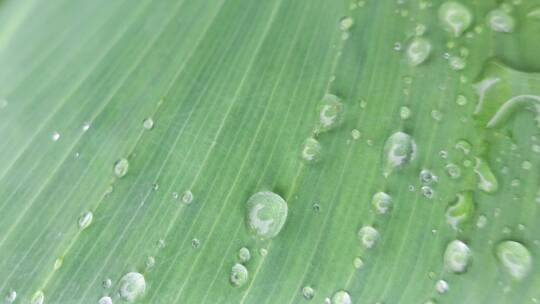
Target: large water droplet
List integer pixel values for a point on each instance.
(368, 236)
(132, 286)
(457, 256)
(341, 297)
(455, 17)
(382, 202)
(487, 181)
(399, 149)
(239, 275)
(311, 150)
(121, 167)
(515, 258)
(266, 214)
(461, 211)
(418, 51)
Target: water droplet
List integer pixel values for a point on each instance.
(368, 236)
(453, 171)
(244, 255)
(481, 222)
(311, 150)
(148, 123)
(397, 46)
(38, 298)
(107, 283)
(187, 197)
(500, 21)
(404, 112)
(457, 63)
(155, 186)
(105, 300)
(382, 202)
(263, 252)
(266, 214)
(85, 126)
(437, 115)
(308, 292)
(461, 211)
(515, 258)
(464, 146)
(420, 29)
(399, 150)
(58, 263)
(239, 275)
(355, 134)
(455, 17)
(121, 167)
(11, 296)
(441, 286)
(346, 23)
(427, 192)
(526, 165)
(55, 136)
(316, 207)
(341, 297)
(85, 220)
(330, 113)
(427, 177)
(457, 256)
(132, 286)
(418, 51)
(195, 243)
(487, 181)
(150, 262)
(358, 263)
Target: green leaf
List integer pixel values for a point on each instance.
(135, 132)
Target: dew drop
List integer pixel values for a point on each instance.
(457, 256)
(148, 123)
(455, 17)
(132, 286)
(441, 286)
(55, 136)
(427, 177)
(330, 113)
(457, 63)
(266, 214)
(481, 222)
(121, 167)
(341, 297)
(453, 171)
(311, 150)
(368, 236)
(239, 275)
(355, 134)
(244, 255)
(11, 296)
(346, 23)
(38, 298)
(427, 192)
(105, 300)
(515, 259)
(404, 112)
(487, 181)
(150, 262)
(399, 149)
(500, 21)
(107, 283)
(85, 220)
(187, 197)
(358, 263)
(263, 252)
(195, 243)
(308, 292)
(418, 51)
(58, 263)
(382, 202)
(85, 126)
(461, 211)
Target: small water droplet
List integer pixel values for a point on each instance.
(461, 100)
(427, 192)
(481, 222)
(132, 286)
(358, 263)
(418, 51)
(487, 181)
(38, 298)
(397, 46)
(382, 202)
(316, 208)
(107, 283)
(404, 112)
(266, 214)
(457, 63)
(311, 150)
(515, 259)
(355, 134)
(85, 220)
(399, 149)
(55, 136)
(441, 286)
(341, 297)
(427, 177)
(263, 252)
(455, 17)
(308, 292)
(187, 197)
(148, 123)
(11, 296)
(85, 126)
(368, 236)
(457, 256)
(526, 165)
(105, 300)
(244, 255)
(461, 210)
(58, 263)
(150, 262)
(121, 167)
(239, 275)
(500, 21)
(330, 113)
(437, 115)
(195, 243)
(453, 171)
(346, 23)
